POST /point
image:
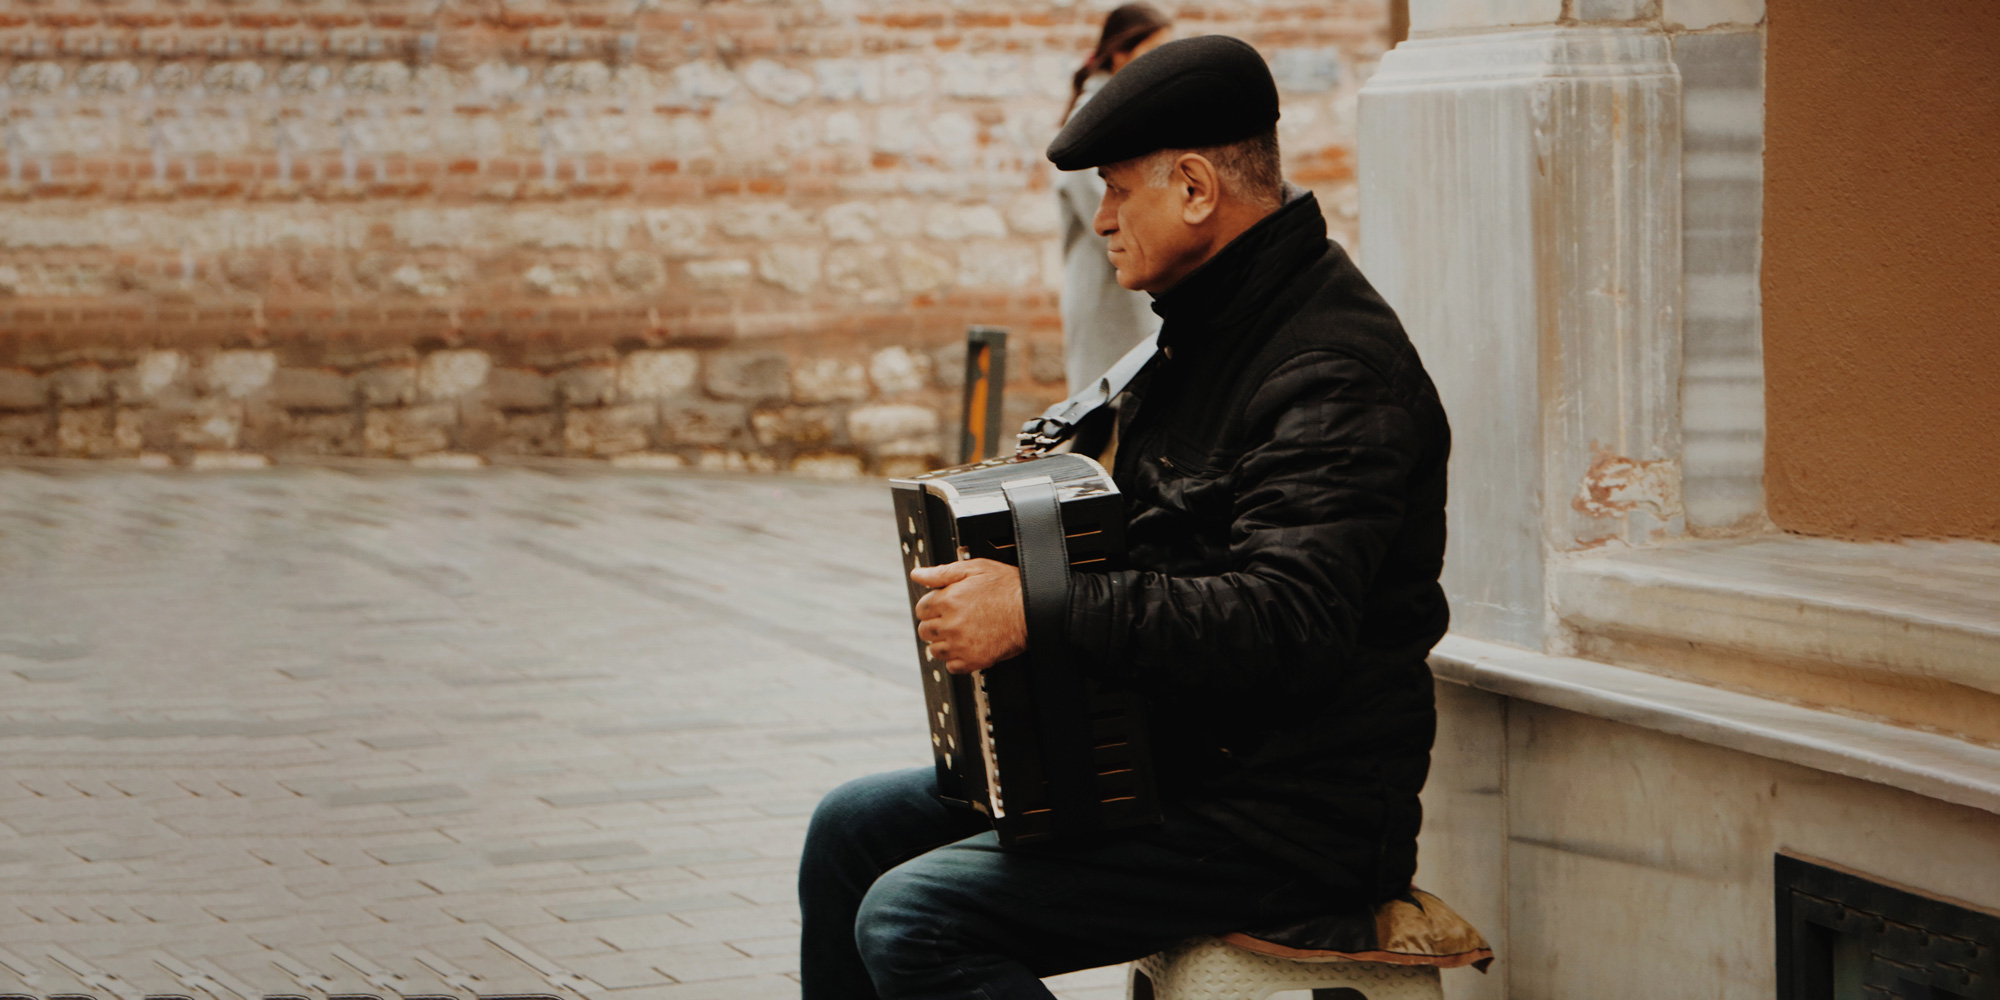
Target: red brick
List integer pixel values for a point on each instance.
(599, 189)
(808, 186)
(521, 20)
(738, 20)
(676, 188)
(209, 189)
(67, 189)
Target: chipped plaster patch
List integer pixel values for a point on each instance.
(1615, 485)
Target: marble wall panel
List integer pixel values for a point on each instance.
(1639, 864)
(1721, 215)
(1450, 15)
(1462, 854)
(1446, 216)
(1695, 15)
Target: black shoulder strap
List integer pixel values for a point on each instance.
(1058, 422)
(1062, 717)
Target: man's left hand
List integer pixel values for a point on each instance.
(972, 618)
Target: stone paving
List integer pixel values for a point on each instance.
(314, 732)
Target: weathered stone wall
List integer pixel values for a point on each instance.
(736, 234)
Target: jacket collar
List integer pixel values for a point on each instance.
(1243, 277)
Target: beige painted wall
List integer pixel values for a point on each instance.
(1881, 270)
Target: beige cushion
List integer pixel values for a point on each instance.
(1413, 929)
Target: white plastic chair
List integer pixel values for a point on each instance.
(1207, 969)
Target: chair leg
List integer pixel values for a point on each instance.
(1138, 986)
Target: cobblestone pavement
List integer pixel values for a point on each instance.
(316, 732)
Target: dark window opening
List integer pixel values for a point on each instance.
(1844, 937)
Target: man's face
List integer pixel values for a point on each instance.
(1150, 242)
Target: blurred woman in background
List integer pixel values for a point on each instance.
(1101, 321)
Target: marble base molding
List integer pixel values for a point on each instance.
(1933, 765)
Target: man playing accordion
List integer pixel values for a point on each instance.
(1282, 460)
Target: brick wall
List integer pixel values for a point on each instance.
(733, 234)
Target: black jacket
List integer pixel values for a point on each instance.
(1283, 465)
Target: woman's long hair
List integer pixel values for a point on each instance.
(1124, 29)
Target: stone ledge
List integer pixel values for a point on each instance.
(1925, 609)
(1934, 766)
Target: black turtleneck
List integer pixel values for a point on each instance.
(1218, 319)
(1234, 286)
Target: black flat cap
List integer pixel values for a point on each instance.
(1210, 90)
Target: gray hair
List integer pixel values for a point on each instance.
(1250, 169)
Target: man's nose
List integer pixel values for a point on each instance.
(1106, 220)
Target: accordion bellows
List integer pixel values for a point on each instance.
(989, 731)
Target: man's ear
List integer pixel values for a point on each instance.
(1198, 188)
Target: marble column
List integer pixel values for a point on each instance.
(1520, 207)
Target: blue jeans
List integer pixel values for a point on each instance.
(903, 896)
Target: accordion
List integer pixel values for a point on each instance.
(1031, 742)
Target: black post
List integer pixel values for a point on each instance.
(985, 385)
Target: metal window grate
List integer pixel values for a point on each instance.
(1843, 937)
